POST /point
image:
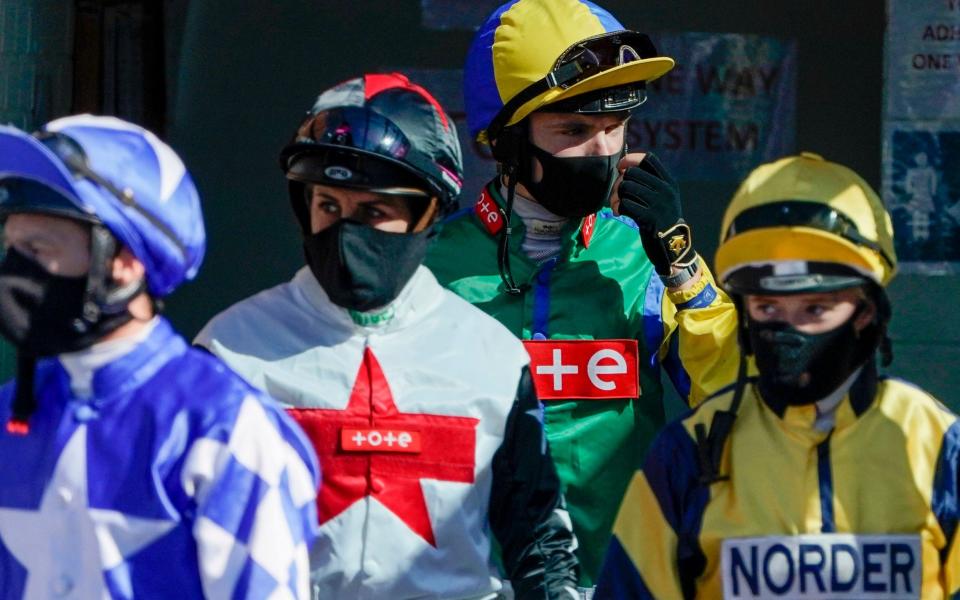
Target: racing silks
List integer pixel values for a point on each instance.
(599, 327)
(867, 509)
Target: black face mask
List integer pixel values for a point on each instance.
(784, 355)
(362, 268)
(42, 313)
(571, 187)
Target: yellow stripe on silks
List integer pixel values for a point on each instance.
(906, 417)
(648, 540)
(757, 451)
(882, 470)
(707, 339)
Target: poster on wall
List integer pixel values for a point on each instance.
(728, 105)
(921, 129)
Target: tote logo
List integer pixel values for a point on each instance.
(587, 369)
(488, 212)
(379, 440)
(827, 566)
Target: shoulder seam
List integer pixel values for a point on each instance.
(626, 221)
(943, 407)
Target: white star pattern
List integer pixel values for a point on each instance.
(65, 545)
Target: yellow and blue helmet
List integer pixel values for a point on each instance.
(533, 53)
(804, 224)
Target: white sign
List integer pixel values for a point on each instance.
(824, 567)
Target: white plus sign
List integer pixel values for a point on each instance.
(390, 438)
(557, 369)
(358, 438)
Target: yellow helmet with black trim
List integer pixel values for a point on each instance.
(804, 224)
(532, 53)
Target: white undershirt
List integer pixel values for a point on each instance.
(543, 228)
(827, 407)
(82, 364)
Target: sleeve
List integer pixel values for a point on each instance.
(698, 347)
(654, 552)
(943, 501)
(527, 513)
(255, 494)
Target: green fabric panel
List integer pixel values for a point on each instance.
(596, 292)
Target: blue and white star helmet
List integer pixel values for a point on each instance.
(118, 174)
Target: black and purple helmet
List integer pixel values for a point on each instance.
(378, 132)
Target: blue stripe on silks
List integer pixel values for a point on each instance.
(541, 300)
(945, 500)
(675, 369)
(672, 471)
(481, 96)
(619, 578)
(705, 298)
(825, 480)
(460, 212)
(653, 319)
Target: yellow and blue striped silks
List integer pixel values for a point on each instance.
(866, 510)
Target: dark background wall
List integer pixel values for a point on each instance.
(249, 70)
(238, 75)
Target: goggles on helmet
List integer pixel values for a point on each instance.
(801, 213)
(355, 147)
(71, 154)
(21, 195)
(580, 61)
(790, 277)
(794, 277)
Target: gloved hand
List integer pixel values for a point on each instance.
(651, 197)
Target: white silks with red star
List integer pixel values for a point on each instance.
(385, 471)
(405, 415)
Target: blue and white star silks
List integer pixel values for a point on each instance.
(176, 479)
(90, 540)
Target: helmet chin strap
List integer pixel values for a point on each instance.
(103, 296)
(509, 152)
(102, 299)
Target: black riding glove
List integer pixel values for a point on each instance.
(650, 196)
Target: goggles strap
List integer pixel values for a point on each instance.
(72, 155)
(558, 77)
(584, 64)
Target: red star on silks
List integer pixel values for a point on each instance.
(447, 452)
